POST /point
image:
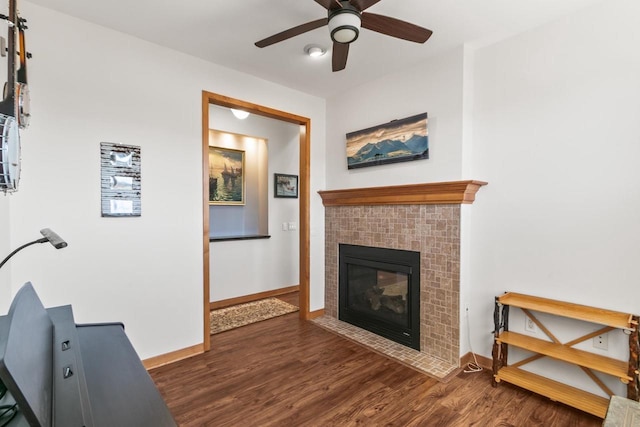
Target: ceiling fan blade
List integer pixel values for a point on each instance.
(292, 32)
(363, 4)
(395, 28)
(325, 3)
(340, 54)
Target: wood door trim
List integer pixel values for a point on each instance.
(303, 193)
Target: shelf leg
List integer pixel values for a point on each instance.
(499, 351)
(633, 387)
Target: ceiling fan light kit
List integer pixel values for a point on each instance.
(344, 23)
(344, 19)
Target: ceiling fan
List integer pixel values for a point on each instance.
(345, 18)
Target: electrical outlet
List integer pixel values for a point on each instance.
(601, 342)
(529, 325)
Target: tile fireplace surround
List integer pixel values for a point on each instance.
(419, 217)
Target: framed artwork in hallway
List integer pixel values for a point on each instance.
(285, 185)
(226, 176)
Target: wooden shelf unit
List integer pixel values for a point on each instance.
(596, 405)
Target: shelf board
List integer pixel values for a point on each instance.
(607, 365)
(588, 402)
(600, 316)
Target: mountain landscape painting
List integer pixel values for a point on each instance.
(397, 141)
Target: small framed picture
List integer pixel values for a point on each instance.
(120, 179)
(285, 185)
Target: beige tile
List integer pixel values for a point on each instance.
(422, 362)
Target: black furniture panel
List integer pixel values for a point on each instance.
(67, 375)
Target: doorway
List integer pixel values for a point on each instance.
(304, 124)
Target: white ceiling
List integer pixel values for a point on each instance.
(224, 32)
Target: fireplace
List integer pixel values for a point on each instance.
(379, 290)
(424, 218)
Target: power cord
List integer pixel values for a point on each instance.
(7, 414)
(471, 366)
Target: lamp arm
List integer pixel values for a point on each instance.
(4, 261)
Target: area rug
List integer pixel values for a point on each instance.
(228, 318)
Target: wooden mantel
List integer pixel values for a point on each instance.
(437, 193)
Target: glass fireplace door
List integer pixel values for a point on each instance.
(379, 290)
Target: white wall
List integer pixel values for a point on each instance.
(88, 85)
(245, 267)
(434, 87)
(557, 136)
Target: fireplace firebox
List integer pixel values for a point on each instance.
(379, 290)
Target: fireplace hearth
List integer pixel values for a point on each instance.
(379, 290)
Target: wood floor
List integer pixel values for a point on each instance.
(287, 372)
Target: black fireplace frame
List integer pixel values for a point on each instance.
(394, 260)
